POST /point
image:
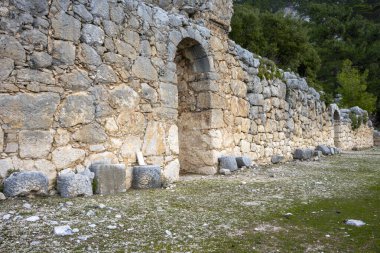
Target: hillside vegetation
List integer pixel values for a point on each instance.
(318, 39)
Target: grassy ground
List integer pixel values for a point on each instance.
(245, 212)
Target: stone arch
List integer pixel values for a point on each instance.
(197, 117)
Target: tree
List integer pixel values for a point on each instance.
(353, 87)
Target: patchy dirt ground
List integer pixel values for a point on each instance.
(293, 207)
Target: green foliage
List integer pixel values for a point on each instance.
(356, 120)
(11, 171)
(283, 40)
(269, 70)
(353, 87)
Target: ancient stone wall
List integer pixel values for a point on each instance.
(83, 81)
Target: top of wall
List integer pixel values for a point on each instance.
(214, 12)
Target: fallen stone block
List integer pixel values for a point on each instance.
(228, 162)
(146, 177)
(317, 153)
(71, 185)
(26, 183)
(243, 161)
(224, 172)
(277, 159)
(109, 178)
(325, 150)
(303, 154)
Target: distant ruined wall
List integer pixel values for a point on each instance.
(83, 81)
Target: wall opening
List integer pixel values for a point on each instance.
(336, 118)
(193, 67)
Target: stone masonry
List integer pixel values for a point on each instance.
(83, 81)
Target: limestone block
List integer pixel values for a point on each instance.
(325, 150)
(132, 38)
(239, 107)
(117, 14)
(11, 147)
(77, 80)
(49, 169)
(88, 55)
(100, 8)
(143, 68)
(256, 99)
(154, 139)
(228, 162)
(82, 12)
(34, 7)
(35, 144)
(1, 140)
(40, 60)
(90, 134)
(131, 122)
(11, 48)
(243, 161)
(6, 68)
(125, 49)
(26, 183)
(63, 52)
(277, 159)
(67, 156)
(71, 185)
(173, 139)
(148, 93)
(245, 146)
(303, 154)
(171, 171)
(239, 88)
(109, 178)
(66, 27)
(105, 75)
(123, 98)
(92, 35)
(77, 109)
(62, 137)
(105, 158)
(110, 28)
(31, 75)
(5, 165)
(35, 37)
(169, 95)
(28, 111)
(131, 145)
(208, 100)
(208, 119)
(146, 177)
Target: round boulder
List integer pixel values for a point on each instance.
(26, 183)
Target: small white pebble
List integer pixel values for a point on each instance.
(111, 227)
(168, 233)
(33, 218)
(101, 206)
(75, 230)
(92, 225)
(27, 206)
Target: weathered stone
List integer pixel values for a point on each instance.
(169, 95)
(77, 80)
(317, 153)
(171, 171)
(82, 12)
(228, 162)
(173, 139)
(131, 145)
(67, 156)
(144, 69)
(71, 185)
(26, 183)
(1, 140)
(35, 144)
(92, 35)
(49, 169)
(35, 37)
(277, 159)
(6, 68)
(148, 93)
(40, 60)
(89, 56)
(243, 161)
(117, 14)
(77, 109)
(110, 28)
(28, 111)
(100, 8)
(124, 98)
(154, 139)
(63, 53)
(34, 7)
(31, 75)
(303, 154)
(11, 147)
(256, 99)
(131, 122)
(90, 134)
(104, 158)
(325, 150)
(105, 74)
(66, 27)
(5, 166)
(225, 172)
(109, 178)
(125, 49)
(146, 177)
